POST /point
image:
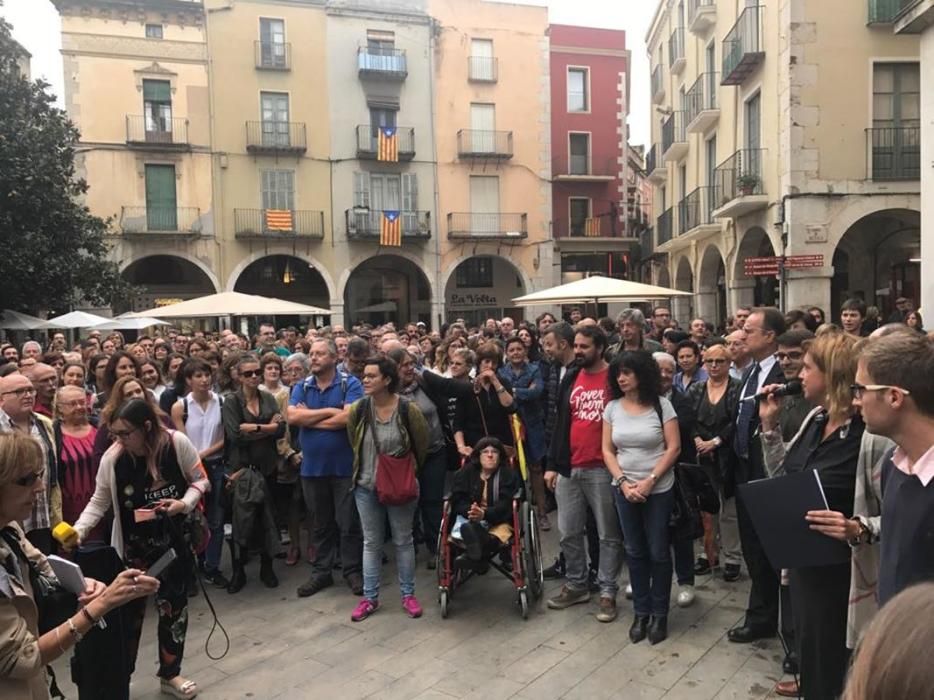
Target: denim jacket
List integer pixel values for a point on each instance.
(529, 390)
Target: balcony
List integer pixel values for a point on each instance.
(663, 227)
(482, 69)
(271, 55)
(676, 60)
(702, 112)
(474, 143)
(695, 213)
(377, 63)
(580, 168)
(158, 222)
(658, 85)
(365, 225)
(647, 243)
(368, 142)
(157, 133)
(894, 153)
(603, 232)
(674, 138)
(739, 186)
(265, 224)
(742, 48)
(487, 226)
(276, 137)
(702, 15)
(885, 11)
(655, 168)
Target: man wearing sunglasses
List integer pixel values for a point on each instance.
(17, 400)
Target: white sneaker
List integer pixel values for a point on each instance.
(628, 591)
(685, 596)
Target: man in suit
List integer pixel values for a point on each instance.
(762, 328)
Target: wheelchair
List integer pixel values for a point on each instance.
(525, 552)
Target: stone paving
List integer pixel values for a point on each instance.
(285, 647)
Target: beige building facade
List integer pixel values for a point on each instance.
(784, 129)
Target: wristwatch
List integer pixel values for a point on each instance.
(617, 481)
(862, 536)
(717, 441)
(653, 477)
(258, 428)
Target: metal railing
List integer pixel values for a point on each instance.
(257, 222)
(894, 153)
(676, 46)
(695, 5)
(482, 69)
(158, 132)
(492, 144)
(276, 136)
(382, 62)
(739, 175)
(664, 225)
(368, 141)
(272, 55)
(695, 209)
(159, 219)
(365, 224)
(651, 159)
(647, 242)
(701, 96)
(487, 225)
(673, 130)
(885, 11)
(658, 85)
(742, 43)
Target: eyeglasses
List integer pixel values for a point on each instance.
(28, 480)
(715, 361)
(20, 393)
(780, 356)
(250, 373)
(858, 389)
(122, 434)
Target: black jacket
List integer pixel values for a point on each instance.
(559, 447)
(754, 468)
(483, 414)
(468, 488)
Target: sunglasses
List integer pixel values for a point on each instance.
(788, 356)
(28, 480)
(250, 373)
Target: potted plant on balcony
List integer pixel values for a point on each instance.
(747, 183)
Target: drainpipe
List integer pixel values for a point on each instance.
(432, 26)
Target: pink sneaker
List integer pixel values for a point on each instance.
(411, 606)
(364, 609)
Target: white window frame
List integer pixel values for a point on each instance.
(588, 94)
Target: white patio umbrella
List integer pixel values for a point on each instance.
(132, 324)
(232, 304)
(597, 289)
(76, 319)
(16, 321)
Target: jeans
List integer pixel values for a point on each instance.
(588, 487)
(683, 551)
(373, 516)
(431, 479)
(215, 514)
(646, 533)
(335, 527)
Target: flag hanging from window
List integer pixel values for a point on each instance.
(592, 227)
(387, 146)
(390, 229)
(278, 220)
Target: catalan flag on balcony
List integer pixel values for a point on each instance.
(278, 220)
(390, 229)
(387, 144)
(592, 227)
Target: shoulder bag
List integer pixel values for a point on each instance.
(395, 476)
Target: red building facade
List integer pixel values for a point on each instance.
(589, 109)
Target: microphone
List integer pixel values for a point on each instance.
(792, 388)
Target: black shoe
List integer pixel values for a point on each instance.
(355, 583)
(640, 625)
(555, 571)
(749, 633)
(790, 664)
(731, 572)
(701, 566)
(215, 578)
(314, 585)
(237, 580)
(593, 583)
(658, 630)
(267, 575)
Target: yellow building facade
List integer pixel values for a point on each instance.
(792, 130)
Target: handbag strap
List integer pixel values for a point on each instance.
(402, 409)
(486, 431)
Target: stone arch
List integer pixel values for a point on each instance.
(711, 285)
(475, 304)
(755, 291)
(452, 268)
(287, 277)
(417, 260)
(165, 278)
(259, 255)
(391, 287)
(684, 281)
(208, 272)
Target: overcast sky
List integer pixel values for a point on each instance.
(36, 26)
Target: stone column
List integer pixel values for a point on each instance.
(706, 304)
(809, 287)
(741, 293)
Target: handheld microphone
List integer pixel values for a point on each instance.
(792, 388)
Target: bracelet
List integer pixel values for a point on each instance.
(653, 477)
(501, 390)
(58, 639)
(89, 617)
(74, 631)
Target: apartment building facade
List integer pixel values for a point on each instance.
(785, 129)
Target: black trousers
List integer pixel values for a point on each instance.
(820, 597)
(762, 608)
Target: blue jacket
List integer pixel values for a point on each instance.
(528, 388)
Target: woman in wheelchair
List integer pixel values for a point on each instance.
(481, 499)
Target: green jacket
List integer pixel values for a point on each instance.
(415, 435)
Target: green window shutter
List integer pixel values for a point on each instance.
(157, 91)
(161, 206)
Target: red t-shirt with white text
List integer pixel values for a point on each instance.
(588, 398)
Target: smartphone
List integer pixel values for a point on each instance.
(144, 515)
(162, 564)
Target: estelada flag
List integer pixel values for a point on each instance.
(592, 227)
(387, 144)
(278, 220)
(390, 229)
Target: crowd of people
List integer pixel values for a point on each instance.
(636, 435)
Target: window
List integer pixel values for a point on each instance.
(378, 192)
(753, 121)
(153, 31)
(483, 128)
(579, 154)
(578, 213)
(482, 63)
(484, 205)
(278, 189)
(157, 108)
(475, 272)
(380, 42)
(275, 118)
(161, 211)
(578, 90)
(272, 43)
(896, 121)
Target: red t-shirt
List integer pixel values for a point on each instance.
(588, 398)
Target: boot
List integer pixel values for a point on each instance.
(238, 575)
(266, 574)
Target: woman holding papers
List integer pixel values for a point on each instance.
(829, 443)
